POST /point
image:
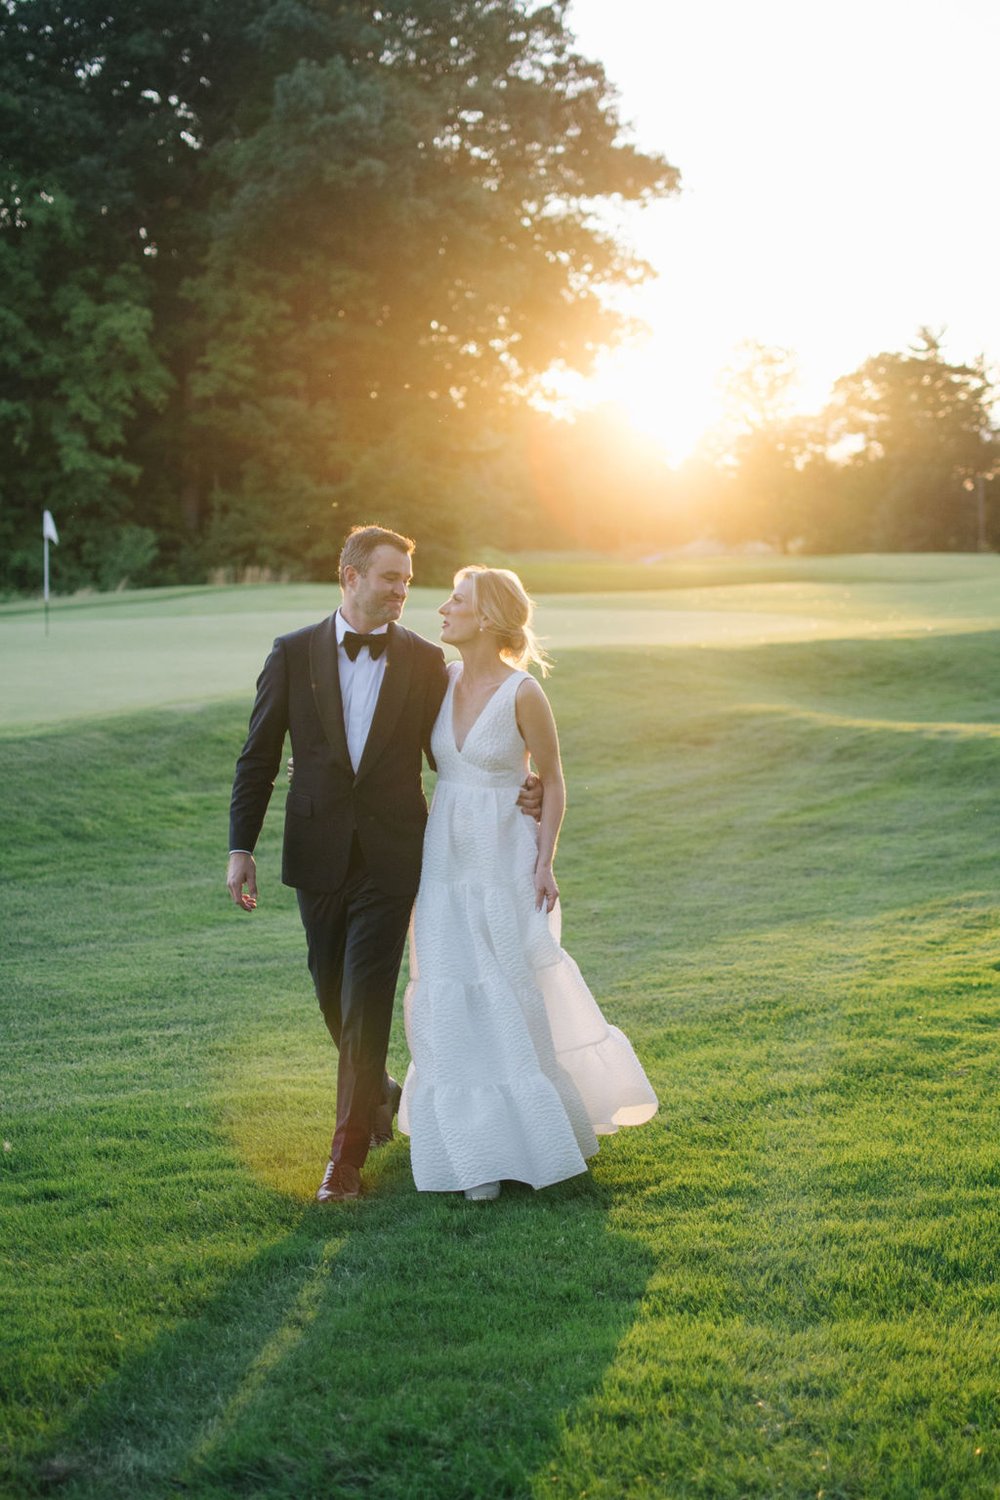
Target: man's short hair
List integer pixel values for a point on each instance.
(361, 542)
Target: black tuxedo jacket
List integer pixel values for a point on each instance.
(298, 691)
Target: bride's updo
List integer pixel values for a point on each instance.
(504, 609)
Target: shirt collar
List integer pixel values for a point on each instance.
(343, 628)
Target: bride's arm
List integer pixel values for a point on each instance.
(538, 730)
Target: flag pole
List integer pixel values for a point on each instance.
(49, 534)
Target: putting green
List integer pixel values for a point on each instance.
(160, 648)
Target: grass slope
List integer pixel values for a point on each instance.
(120, 653)
(779, 873)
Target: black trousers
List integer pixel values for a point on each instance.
(355, 939)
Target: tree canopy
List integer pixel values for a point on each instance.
(272, 267)
(895, 462)
(276, 265)
(923, 433)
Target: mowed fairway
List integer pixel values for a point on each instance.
(780, 874)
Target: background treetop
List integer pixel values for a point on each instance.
(332, 231)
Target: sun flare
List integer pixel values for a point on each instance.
(674, 408)
(658, 400)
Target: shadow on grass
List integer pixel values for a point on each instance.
(408, 1345)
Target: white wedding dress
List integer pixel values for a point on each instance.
(515, 1072)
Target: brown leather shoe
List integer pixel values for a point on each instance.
(341, 1181)
(382, 1116)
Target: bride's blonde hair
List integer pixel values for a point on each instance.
(504, 609)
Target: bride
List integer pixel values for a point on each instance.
(515, 1072)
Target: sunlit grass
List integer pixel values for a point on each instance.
(779, 874)
(118, 653)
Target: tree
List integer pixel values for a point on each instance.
(403, 245)
(765, 448)
(109, 114)
(349, 235)
(923, 434)
(76, 364)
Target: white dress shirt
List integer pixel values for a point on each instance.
(360, 684)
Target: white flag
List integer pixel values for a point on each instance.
(49, 531)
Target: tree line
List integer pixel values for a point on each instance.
(271, 267)
(902, 458)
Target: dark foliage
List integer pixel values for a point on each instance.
(271, 267)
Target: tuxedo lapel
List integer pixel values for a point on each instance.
(392, 696)
(324, 671)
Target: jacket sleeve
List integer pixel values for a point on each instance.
(260, 758)
(437, 684)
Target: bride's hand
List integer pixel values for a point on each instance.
(546, 890)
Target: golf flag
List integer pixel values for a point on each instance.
(49, 534)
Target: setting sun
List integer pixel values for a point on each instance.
(643, 383)
(803, 222)
(666, 381)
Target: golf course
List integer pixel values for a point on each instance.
(780, 874)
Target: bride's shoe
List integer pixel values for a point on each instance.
(484, 1193)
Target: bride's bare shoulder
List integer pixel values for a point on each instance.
(531, 703)
(529, 688)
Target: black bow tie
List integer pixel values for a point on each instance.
(376, 644)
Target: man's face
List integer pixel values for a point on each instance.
(377, 596)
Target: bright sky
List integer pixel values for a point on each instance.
(839, 168)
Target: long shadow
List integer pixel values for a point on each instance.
(409, 1345)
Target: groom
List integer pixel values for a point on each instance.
(359, 695)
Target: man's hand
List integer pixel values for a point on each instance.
(529, 798)
(242, 872)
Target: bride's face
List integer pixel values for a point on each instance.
(459, 616)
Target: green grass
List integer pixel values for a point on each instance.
(181, 647)
(780, 875)
(548, 572)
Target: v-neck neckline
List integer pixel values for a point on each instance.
(460, 749)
